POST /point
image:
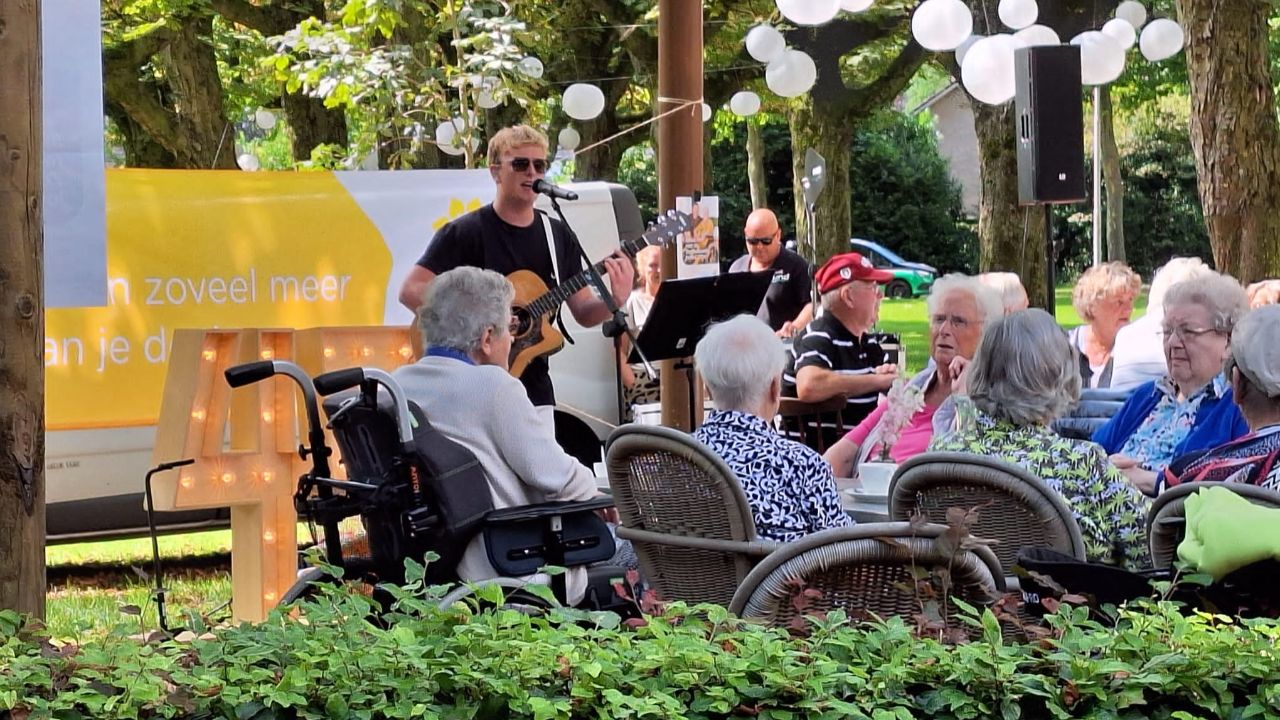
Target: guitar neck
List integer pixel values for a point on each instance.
(553, 298)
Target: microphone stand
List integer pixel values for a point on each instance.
(617, 324)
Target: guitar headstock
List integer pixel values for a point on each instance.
(667, 227)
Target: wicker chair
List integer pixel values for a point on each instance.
(816, 424)
(862, 569)
(1021, 511)
(1166, 521)
(685, 513)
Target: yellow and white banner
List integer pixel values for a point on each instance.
(203, 249)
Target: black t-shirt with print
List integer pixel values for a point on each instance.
(484, 240)
(789, 291)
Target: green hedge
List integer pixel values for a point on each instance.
(1153, 660)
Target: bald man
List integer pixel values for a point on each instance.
(786, 307)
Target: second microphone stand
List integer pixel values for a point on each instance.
(617, 324)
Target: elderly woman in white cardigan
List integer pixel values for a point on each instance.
(463, 387)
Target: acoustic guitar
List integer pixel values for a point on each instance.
(535, 305)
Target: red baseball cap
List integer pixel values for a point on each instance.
(845, 268)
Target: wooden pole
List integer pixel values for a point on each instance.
(680, 150)
(22, 579)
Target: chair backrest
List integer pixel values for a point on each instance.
(1096, 407)
(814, 424)
(869, 568)
(684, 511)
(1017, 509)
(1166, 521)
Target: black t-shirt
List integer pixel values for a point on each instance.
(827, 344)
(484, 240)
(789, 291)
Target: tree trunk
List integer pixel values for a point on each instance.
(140, 149)
(831, 137)
(184, 113)
(1111, 178)
(755, 167)
(22, 579)
(311, 125)
(1234, 133)
(1011, 237)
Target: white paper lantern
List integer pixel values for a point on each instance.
(707, 112)
(582, 101)
(1101, 57)
(792, 74)
(248, 161)
(987, 72)
(1036, 35)
(765, 43)
(264, 119)
(569, 139)
(855, 6)
(744, 103)
(450, 149)
(963, 49)
(447, 131)
(1161, 39)
(1018, 14)
(941, 24)
(531, 67)
(1132, 12)
(1121, 31)
(485, 93)
(809, 12)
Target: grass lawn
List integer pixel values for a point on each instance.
(909, 318)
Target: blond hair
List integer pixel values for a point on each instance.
(514, 136)
(1101, 282)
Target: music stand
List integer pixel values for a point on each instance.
(683, 309)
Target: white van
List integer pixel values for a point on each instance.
(97, 452)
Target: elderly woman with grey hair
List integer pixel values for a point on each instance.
(1191, 407)
(1253, 368)
(959, 308)
(1022, 377)
(463, 387)
(789, 487)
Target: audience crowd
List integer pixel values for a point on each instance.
(1196, 377)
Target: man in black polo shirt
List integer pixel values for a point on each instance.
(786, 307)
(835, 355)
(510, 235)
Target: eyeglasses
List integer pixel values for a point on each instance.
(957, 322)
(1186, 333)
(521, 164)
(760, 241)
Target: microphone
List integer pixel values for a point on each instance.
(555, 191)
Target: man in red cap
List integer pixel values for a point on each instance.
(835, 355)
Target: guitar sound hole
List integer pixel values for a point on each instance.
(523, 323)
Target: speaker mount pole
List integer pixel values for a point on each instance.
(1050, 269)
(1097, 175)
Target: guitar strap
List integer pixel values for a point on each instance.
(555, 270)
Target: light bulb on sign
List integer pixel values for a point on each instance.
(197, 415)
(187, 482)
(266, 354)
(269, 536)
(228, 478)
(209, 355)
(330, 352)
(268, 416)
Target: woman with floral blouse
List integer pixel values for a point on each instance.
(1024, 376)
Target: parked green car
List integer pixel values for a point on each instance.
(910, 279)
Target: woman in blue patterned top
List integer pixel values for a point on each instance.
(1024, 376)
(789, 486)
(1190, 408)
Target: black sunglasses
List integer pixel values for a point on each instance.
(760, 241)
(521, 164)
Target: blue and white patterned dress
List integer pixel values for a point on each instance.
(789, 486)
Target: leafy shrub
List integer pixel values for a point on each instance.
(1152, 660)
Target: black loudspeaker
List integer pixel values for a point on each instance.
(1050, 117)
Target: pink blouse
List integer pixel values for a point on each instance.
(913, 441)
